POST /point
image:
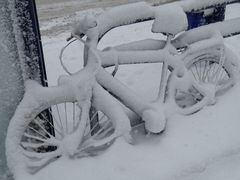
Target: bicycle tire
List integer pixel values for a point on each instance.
(206, 68)
(29, 146)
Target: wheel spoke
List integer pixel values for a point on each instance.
(200, 65)
(197, 71)
(193, 74)
(34, 137)
(59, 116)
(205, 79)
(96, 125)
(39, 147)
(207, 68)
(105, 126)
(42, 127)
(74, 118)
(66, 117)
(56, 122)
(37, 155)
(35, 146)
(50, 123)
(37, 131)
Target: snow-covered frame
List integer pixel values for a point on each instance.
(145, 12)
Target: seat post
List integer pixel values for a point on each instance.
(163, 82)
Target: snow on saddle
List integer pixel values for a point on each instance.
(169, 19)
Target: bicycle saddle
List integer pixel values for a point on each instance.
(169, 19)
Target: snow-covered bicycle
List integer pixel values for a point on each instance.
(197, 67)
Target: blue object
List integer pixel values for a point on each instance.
(196, 19)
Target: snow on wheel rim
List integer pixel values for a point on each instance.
(38, 146)
(206, 69)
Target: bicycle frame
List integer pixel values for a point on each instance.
(155, 51)
(163, 105)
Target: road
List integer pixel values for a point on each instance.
(56, 16)
(49, 9)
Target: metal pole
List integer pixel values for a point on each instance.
(11, 82)
(21, 58)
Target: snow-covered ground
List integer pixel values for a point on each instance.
(203, 146)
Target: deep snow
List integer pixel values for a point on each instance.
(205, 145)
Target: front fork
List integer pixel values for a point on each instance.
(164, 74)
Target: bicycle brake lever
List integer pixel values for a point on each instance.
(69, 38)
(72, 36)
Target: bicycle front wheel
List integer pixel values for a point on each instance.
(44, 128)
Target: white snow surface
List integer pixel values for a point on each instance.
(170, 19)
(202, 146)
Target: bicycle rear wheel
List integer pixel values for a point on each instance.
(211, 69)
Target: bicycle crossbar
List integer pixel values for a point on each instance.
(227, 28)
